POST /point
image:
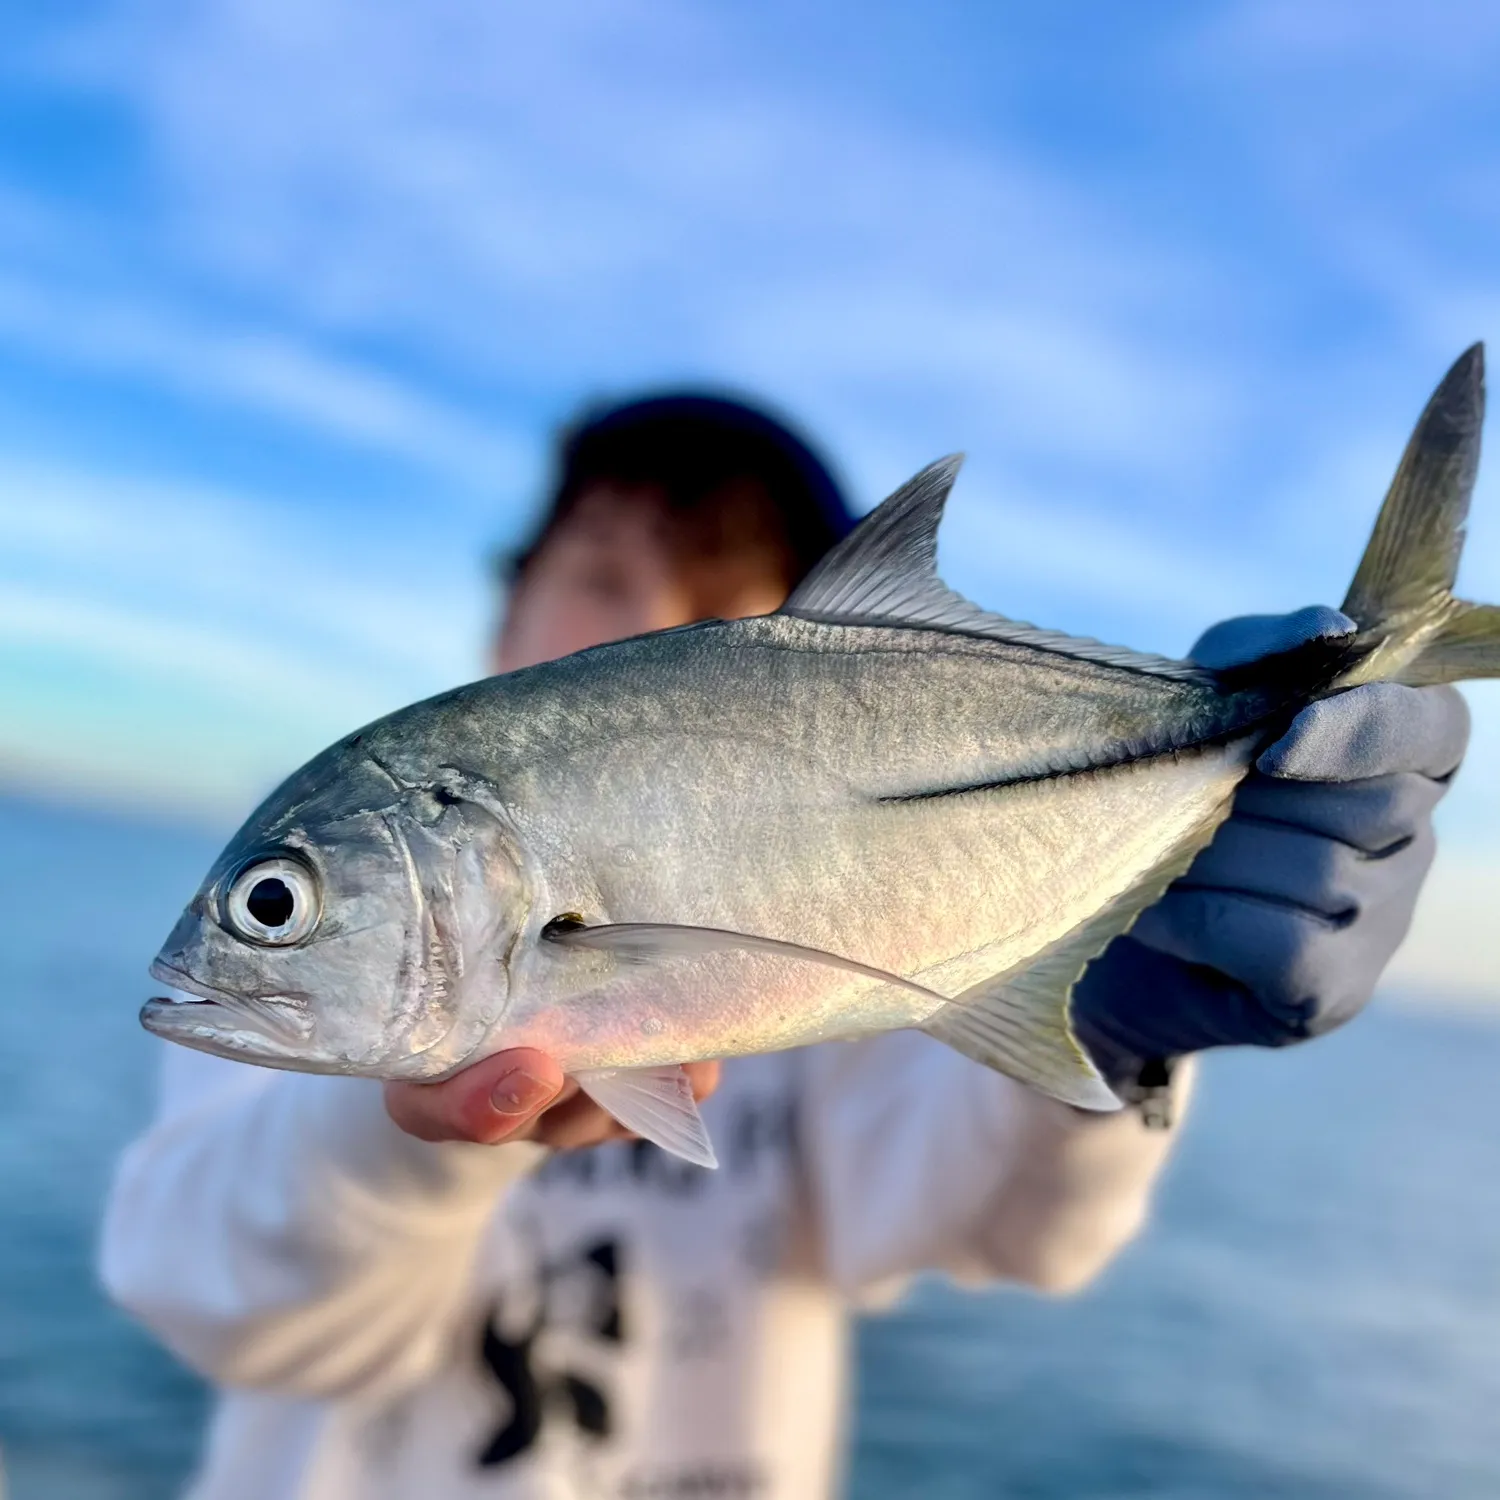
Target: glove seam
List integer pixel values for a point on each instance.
(1261, 820)
(1339, 922)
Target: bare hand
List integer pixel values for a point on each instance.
(520, 1095)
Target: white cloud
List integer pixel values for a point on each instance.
(375, 221)
(232, 662)
(260, 371)
(1443, 41)
(610, 194)
(181, 644)
(1453, 950)
(402, 602)
(1366, 127)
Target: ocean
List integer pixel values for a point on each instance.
(1314, 1311)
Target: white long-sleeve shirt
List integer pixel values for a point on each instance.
(389, 1318)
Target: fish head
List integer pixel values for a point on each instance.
(358, 923)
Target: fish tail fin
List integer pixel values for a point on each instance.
(1467, 646)
(1412, 628)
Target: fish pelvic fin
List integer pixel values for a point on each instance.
(1412, 628)
(1018, 1022)
(657, 1104)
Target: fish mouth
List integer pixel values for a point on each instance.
(201, 1016)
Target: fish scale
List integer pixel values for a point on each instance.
(881, 807)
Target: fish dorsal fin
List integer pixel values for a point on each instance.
(885, 572)
(887, 566)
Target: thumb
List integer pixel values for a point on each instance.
(1249, 638)
(493, 1100)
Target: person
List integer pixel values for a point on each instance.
(429, 1290)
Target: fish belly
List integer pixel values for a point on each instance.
(908, 800)
(947, 891)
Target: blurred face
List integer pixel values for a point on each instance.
(614, 569)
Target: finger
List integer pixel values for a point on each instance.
(1284, 865)
(1296, 868)
(576, 1123)
(704, 1077)
(491, 1101)
(1373, 730)
(1304, 968)
(1141, 1002)
(1250, 638)
(1375, 816)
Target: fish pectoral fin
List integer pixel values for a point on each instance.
(1018, 1023)
(657, 1104)
(643, 942)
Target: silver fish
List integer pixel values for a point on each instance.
(881, 807)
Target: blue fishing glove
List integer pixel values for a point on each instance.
(1282, 926)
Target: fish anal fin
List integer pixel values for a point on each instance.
(657, 1104)
(1018, 1022)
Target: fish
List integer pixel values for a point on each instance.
(880, 808)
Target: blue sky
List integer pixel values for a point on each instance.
(293, 293)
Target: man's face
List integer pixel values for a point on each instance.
(611, 571)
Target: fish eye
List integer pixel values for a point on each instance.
(273, 901)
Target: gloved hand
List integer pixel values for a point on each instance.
(1283, 924)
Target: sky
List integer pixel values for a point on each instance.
(295, 293)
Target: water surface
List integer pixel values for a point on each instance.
(1313, 1313)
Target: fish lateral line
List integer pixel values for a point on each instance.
(1129, 760)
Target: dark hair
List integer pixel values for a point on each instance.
(696, 449)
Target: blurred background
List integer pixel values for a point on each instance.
(293, 295)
